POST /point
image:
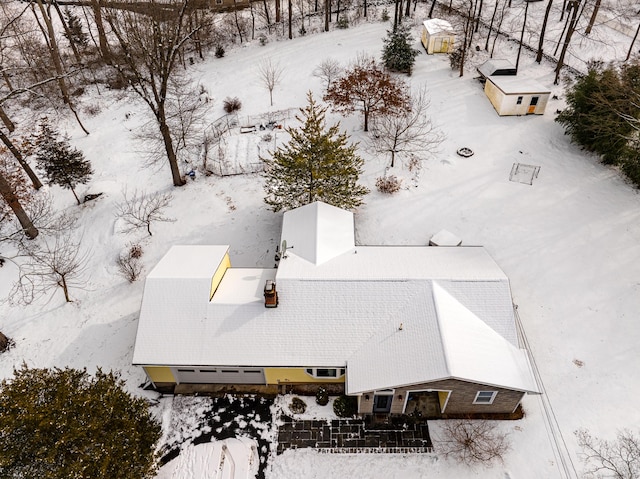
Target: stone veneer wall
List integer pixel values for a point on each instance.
(460, 400)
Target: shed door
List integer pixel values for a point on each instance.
(532, 105)
(219, 375)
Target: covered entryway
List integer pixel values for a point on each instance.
(219, 375)
(426, 404)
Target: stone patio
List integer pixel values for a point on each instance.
(353, 436)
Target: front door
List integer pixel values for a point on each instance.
(382, 403)
(532, 105)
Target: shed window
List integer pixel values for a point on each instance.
(218, 2)
(485, 397)
(519, 102)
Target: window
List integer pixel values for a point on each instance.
(325, 372)
(230, 371)
(519, 102)
(187, 370)
(485, 397)
(218, 2)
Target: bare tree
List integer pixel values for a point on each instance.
(619, 459)
(151, 46)
(53, 262)
(410, 132)
(270, 75)
(140, 209)
(328, 70)
(472, 441)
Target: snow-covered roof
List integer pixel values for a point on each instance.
(318, 232)
(437, 25)
(512, 85)
(489, 67)
(343, 310)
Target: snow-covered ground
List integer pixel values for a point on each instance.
(570, 244)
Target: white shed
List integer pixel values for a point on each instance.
(511, 95)
(437, 36)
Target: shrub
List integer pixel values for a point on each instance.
(297, 406)
(322, 397)
(345, 406)
(219, 53)
(128, 262)
(343, 23)
(232, 104)
(385, 15)
(263, 40)
(455, 57)
(473, 441)
(302, 31)
(388, 184)
(6, 343)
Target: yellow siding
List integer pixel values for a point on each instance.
(160, 374)
(217, 277)
(295, 375)
(442, 397)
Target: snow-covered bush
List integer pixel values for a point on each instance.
(345, 406)
(388, 184)
(322, 397)
(297, 406)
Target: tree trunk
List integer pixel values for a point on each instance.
(338, 12)
(105, 51)
(65, 288)
(542, 31)
(290, 14)
(493, 17)
(277, 11)
(35, 181)
(395, 17)
(632, 42)
(433, 5)
(567, 40)
(524, 25)
(365, 8)
(480, 15)
(592, 20)
(266, 14)
(407, 11)
(366, 119)
(327, 14)
(168, 147)
(235, 14)
(12, 200)
(6, 120)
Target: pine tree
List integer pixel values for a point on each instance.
(317, 164)
(62, 165)
(63, 423)
(76, 34)
(397, 54)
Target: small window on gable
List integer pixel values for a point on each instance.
(519, 102)
(485, 397)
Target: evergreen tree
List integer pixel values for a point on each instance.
(63, 423)
(590, 118)
(62, 165)
(76, 34)
(317, 164)
(397, 54)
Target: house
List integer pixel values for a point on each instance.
(438, 36)
(402, 328)
(511, 95)
(496, 67)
